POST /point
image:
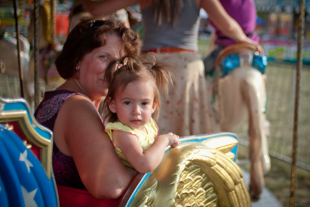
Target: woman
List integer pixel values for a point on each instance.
(83, 156)
(170, 29)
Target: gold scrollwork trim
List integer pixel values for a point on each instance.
(193, 174)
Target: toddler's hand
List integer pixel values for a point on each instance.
(174, 139)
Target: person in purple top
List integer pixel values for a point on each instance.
(244, 13)
(83, 155)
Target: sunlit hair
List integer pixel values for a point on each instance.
(130, 69)
(88, 35)
(167, 10)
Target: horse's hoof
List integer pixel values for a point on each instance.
(255, 198)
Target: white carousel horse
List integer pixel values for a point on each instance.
(9, 67)
(199, 172)
(240, 98)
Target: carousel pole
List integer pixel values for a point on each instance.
(301, 26)
(21, 78)
(53, 20)
(36, 52)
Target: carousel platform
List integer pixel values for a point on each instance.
(267, 198)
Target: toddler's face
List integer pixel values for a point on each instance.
(135, 104)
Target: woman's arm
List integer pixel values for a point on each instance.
(107, 6)
(143, 160)
(223, 21)
(84, 138)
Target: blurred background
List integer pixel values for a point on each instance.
(277, 25)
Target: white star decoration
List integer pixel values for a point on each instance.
(23, 158)
(29, 197)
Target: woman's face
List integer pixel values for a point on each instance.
(93, 66)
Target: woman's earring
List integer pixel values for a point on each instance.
(77, 67)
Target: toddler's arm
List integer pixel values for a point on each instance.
(144, 160)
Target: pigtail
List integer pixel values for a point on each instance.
(115, 65)
(160, 71)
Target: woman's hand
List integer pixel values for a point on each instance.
(259, 48)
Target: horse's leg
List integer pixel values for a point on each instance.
(241, 97)
(254, 94)
(265, 151)
(266, 158)
(231, 108)
(261, 94)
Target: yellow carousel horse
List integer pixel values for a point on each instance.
(48, 51)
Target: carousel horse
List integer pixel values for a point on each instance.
(199, 172)
(9, 67)
(77, 12)
(240, 96)
(48, 51)
(47, 55)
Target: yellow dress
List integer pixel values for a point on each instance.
(145, 139)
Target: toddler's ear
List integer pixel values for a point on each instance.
(155, 103)
(112, 106)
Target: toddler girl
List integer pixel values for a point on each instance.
(131, 105)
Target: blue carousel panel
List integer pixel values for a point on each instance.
(35, 187)
(45, 186)
(21, 105)
(23, 166)
(8, 174)
(3, 196)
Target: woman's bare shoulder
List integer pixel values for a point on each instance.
(77, 105)
(76, 116)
